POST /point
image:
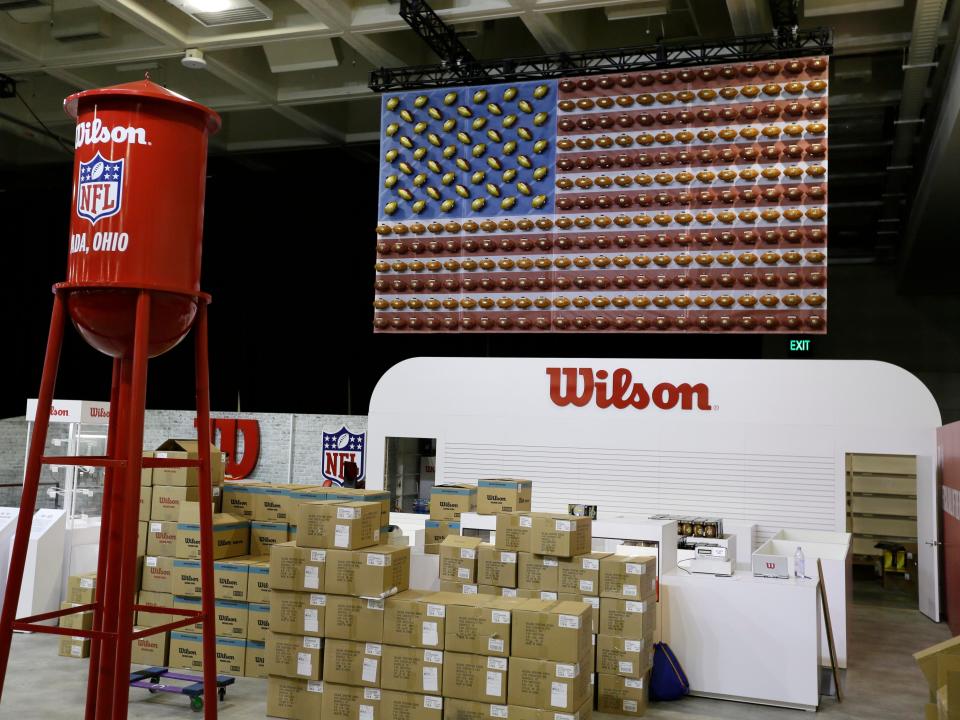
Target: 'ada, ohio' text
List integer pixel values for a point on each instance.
(100, 242)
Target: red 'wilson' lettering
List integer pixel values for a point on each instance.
(578, 386)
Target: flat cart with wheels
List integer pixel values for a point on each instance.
(154, 680)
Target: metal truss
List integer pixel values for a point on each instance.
(596, 62)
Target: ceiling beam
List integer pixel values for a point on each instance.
(546, 29)
(749, 17)
(338, 16)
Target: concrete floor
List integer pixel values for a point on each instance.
(882, 683)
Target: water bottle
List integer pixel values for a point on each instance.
(798, 564)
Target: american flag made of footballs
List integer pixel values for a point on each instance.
(683, 200)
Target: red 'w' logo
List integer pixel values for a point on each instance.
(578, 386)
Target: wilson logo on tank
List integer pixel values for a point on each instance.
(96, 133)
(99, 188)
(580, 386)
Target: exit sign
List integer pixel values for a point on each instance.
(799, 346)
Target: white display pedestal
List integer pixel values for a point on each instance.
(42, 577)
(833, 549)
(8, 525)
(745, 638)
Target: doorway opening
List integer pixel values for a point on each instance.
(882, 516)
(409, 472)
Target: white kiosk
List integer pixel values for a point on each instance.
(42, 580)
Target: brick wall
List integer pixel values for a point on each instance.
(274, 465)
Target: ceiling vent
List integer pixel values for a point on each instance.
(82, 24)
(217, 13)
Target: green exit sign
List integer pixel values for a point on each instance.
(799, 346)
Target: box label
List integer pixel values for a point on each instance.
(319, 600)
(633, 645)
(500, 617)
(376, 559)
(429, 635)
(433, 656)
(430, 680)
(586, 586)
(371, 694)
(630, 590)
(636, 569)
(569, 621)
(318, 556)
(625, 666)
(550, 562)
(526, 522)
(346, 513)
(151, 562)
(558, 694)
(495, 663)
(468, 554)
(470, 590)
(311, 620)
(432, 703)
(635, 684)
(311, 577)
(374, 604)
(341, 536)
(630, 705)
(564, 526)
(366, 712)
(463, 573)
(565, 670)
(315, 686)
(494, 683)
(311, 643)
(369, 673)
(304, 664)
(494, 645)
(434, 610)
(508, 557)
(632, 606)
(499, 711)
(591, 564)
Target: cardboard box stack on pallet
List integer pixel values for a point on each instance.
(171, 567)
(325, 643)
(447, 504)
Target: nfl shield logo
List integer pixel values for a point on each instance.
(99, 188)
(340, 448)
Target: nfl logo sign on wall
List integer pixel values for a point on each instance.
(99, 188)
(339, 448)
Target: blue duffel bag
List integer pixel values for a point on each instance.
(667, 680)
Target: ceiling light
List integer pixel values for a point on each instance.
(214, 13)
(193, 59)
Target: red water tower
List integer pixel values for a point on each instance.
(133, 292)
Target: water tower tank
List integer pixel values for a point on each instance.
(137, 212)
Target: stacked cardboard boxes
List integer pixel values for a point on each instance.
(328, 587)
(447, 504)
(81, 590)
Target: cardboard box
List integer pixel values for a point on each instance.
(294, 699)
(343, 494)
(412, 669)
(345, 702)
(162, 538)
(538, 572)
(927, 660)
(513, 531)
(271, 503)
(508, 592)
(628, 577)
(146, 499)
(294, 656)
(151, 619)
(457, 588)
(76, 621)
(537, 594)
(157, 574)
(352, 663)
(396, 705)
(545, 684)
(74, 647)
(621, 695)
(474, 677)
(186, 450)
(296, 613)
(454, 709)
(256, 663)
(297, 568)
(231, 577)
(167, 500)
(258, 622)
(592, 600)
(505, 495)
(186, 578)
(352, 618)
(376, 571)
(151, 650)
(631, 619)
(581, 574)
(336, 524)
(623, 657)
(258, 586)
(231, 656)
(238, 497)
(186, 651)
(458, 559)
(496, 567)
(146, 474)
(181, 602)
(478, 625)
(142, 530)
(264, 535)
(560, 535)
(449, 502)
(233, 617)
(231, 537)
(436, 531)
(551, 630)
(82, 589)
(411, 619)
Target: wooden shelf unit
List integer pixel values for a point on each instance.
(881, 503)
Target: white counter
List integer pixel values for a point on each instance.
(745, 638)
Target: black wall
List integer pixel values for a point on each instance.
(288, 257)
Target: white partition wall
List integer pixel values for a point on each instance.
(757, 442)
